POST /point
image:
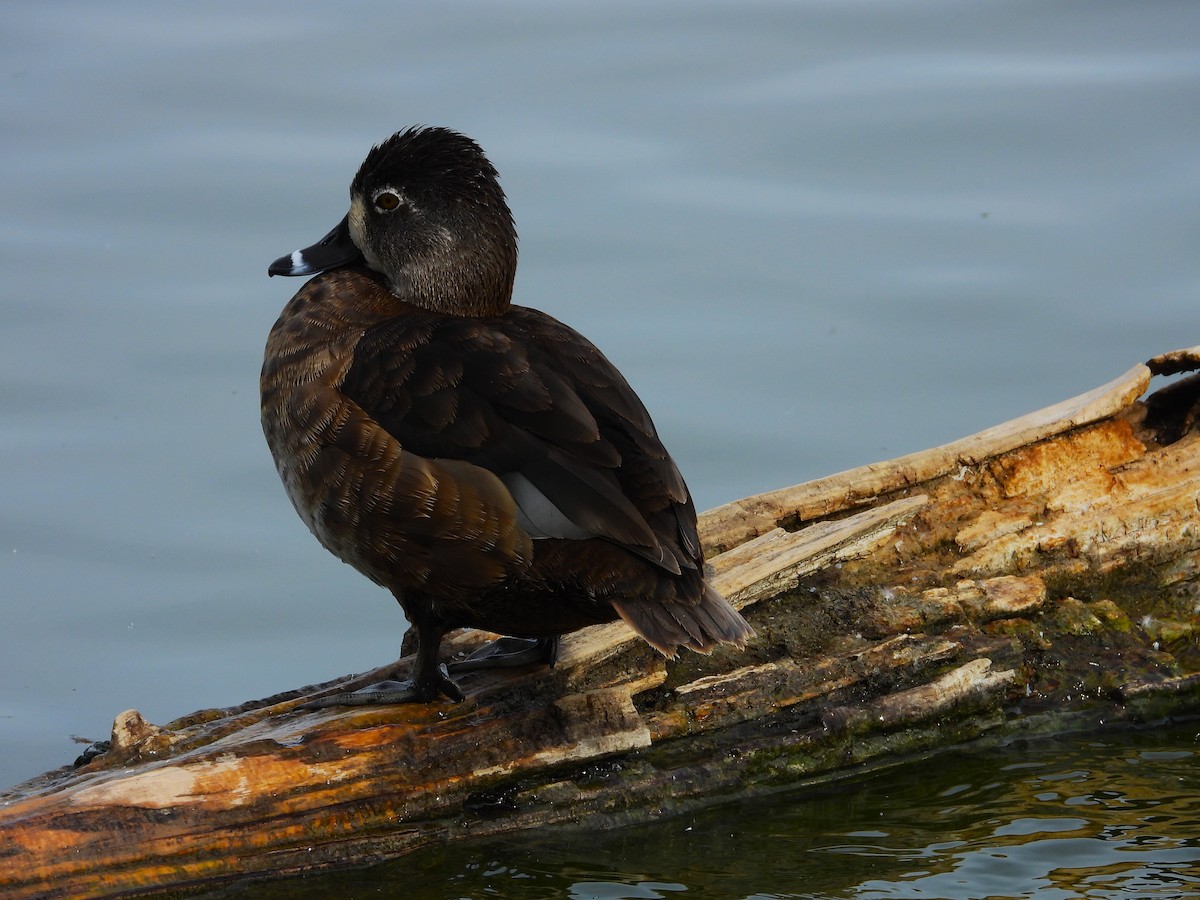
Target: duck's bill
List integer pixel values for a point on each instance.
(334, 250)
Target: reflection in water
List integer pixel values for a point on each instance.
(1088, 817)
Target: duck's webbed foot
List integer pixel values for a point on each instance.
(429, 680)
(509, 653)
(383, 693)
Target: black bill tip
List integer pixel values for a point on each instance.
(333, 251)
(292, 264)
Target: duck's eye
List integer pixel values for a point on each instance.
(387, 200)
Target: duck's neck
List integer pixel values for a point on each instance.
(454, 292)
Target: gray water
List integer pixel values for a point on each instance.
(813, 235)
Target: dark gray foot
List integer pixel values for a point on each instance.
(385, 693)
(509, 653)
(98, 748)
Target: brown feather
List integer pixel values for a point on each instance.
(483, 461)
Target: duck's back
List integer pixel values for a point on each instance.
(498, 467)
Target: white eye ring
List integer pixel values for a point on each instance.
(388, 200)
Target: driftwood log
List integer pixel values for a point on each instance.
(1037, 577)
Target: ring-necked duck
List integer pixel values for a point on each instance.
(482, 461)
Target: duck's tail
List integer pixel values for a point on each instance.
(698, 626)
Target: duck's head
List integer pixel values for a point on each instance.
(428, 214)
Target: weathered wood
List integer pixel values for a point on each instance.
(730, 525)
(1038, 576)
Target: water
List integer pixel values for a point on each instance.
(813, 235)
(1094, 817)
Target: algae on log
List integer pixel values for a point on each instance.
(1039, 576)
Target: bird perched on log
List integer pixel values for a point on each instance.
(482, 461)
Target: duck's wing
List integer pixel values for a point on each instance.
(537, 405)
(647, 474)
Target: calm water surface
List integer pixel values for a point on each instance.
(813, 235)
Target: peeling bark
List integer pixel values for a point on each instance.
(1039, 576)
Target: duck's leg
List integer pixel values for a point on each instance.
(509, 653)
(429, 680)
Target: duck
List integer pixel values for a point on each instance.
(482, 461)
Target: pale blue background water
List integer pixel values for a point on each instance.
(813, 235)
